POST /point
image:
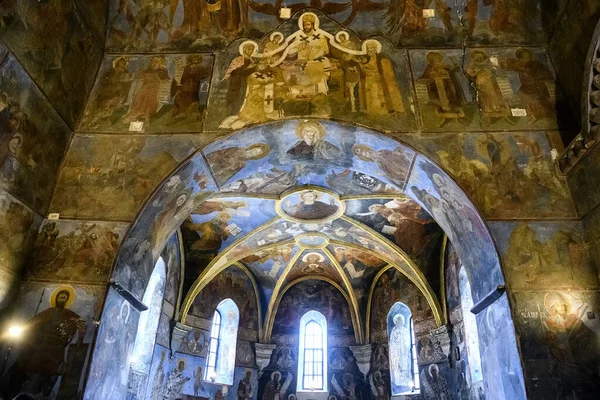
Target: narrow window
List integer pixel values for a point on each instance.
(220, 363)
(312, 363)
(402, 348)
(211, 367)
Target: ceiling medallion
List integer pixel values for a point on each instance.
(310, 204)
(314, 240)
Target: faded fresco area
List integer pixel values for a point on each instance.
(207, 26)
(76, 251)
(55, 47)
(559, 340)
(490, 89)
(33, 138)
(111, 177)
(18, 227)
(507, 176)
(166, 93)
(60, 332)
(539, 254)
(308, 69)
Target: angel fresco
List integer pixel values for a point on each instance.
(311, 72)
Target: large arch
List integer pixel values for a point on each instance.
(365, 152)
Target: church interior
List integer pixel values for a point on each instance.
(299, 200)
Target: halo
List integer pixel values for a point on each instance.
(310, 123)
(397, 317)
(305, 192)
(116, 60)
(251, 42)
(275, 372)
(274, 35)
(362, 147)
(60, 289)
(321, 257)
(551, 298)
(376, 42)
(432, 54)
(181, 199)
(181, 360)
(126, 305)
(308, 14)
(338, 36)
(265, 149)
(431, 367)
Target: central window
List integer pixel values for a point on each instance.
(312, 363)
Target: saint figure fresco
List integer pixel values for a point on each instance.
(42, 353)
(311, 145)
(308, 205)
(276, 389)
(225, 163)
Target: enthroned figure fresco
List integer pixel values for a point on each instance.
(311, 72)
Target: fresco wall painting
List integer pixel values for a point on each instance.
(182, 377)
(52, 42)
(208, 26)
(493, 89)
(109, 373)
(33, 139)
(18, 227)
(232, 283)
(162, 93)
(305, 70)
(101, 171)
(165, 211)
(75, 251)
(59, 320)
(507, 176)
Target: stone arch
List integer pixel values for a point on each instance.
(366, 152)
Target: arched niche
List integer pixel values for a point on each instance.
(233, 162)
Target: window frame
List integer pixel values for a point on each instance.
(213, 339)
(304, 373)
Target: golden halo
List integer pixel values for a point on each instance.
(311, 16)
(321, 257)
(250, 42)
(181, 360)
(376, 42)
(312, 124)
(338, 36)
(278, 35)
(60, 289)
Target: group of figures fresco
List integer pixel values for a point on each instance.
(73, 251)
(177, 24)
(150, 94)
(312, 72)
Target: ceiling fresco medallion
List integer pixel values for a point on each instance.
(310, 204)
(314, 240)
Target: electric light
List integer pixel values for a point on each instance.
(15, 331)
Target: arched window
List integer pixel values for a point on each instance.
(404, 372)
(312, 359)
(220, 363)
(470, 323)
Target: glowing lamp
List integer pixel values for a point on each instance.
(15, 331)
